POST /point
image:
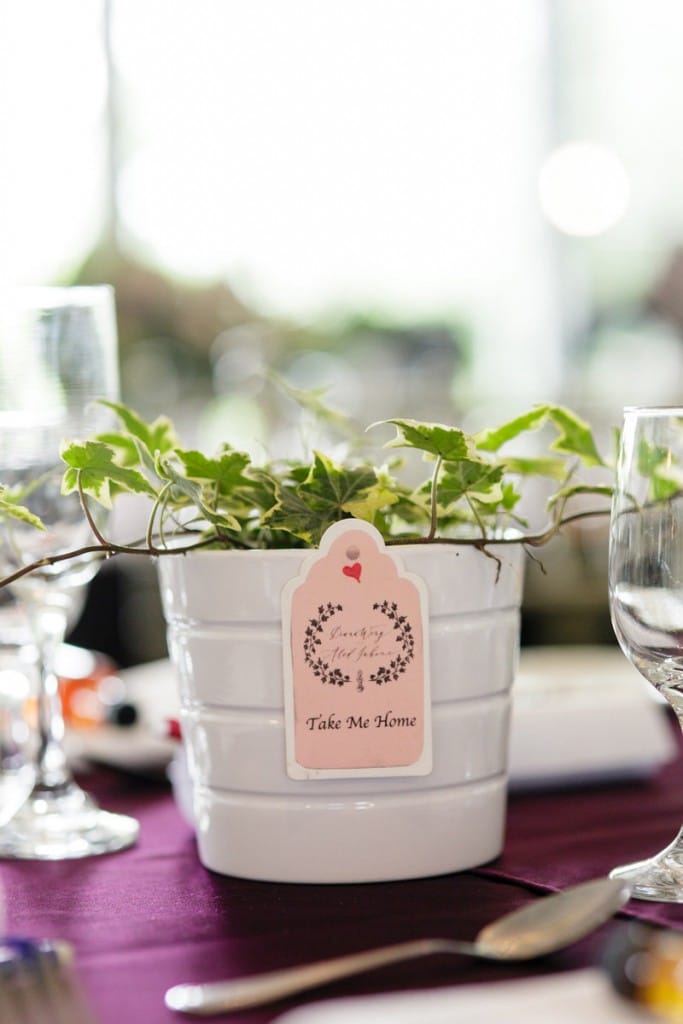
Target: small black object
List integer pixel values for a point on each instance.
(124, 714)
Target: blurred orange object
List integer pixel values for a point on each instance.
(92, 693)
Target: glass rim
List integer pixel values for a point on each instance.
(49, 295)
(654, 410)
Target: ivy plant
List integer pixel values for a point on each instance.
(469, 492)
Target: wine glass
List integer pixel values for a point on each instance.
(646, 589)
(58, 355)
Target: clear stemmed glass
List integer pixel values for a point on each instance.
(646, 589)
(58, 355)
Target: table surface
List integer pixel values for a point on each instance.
(152, 916)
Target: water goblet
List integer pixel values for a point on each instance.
(57, 357)
(646, 590)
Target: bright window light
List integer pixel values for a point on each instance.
(351, 154)
(583, 189)
(52, 116)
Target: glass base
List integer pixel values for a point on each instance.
(63, 825)
(15, 786)
(660, 878)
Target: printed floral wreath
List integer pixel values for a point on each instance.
(405, 637)
(334, 676)
(385, 673)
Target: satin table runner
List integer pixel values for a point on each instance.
(151, 917)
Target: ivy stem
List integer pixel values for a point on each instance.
(533, 540)
(87, 513)
(107, 549)
(435, 479)
(158, 504)
(477, 518)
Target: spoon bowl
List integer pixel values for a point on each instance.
(533, 930)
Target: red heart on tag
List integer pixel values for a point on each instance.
(353, 570)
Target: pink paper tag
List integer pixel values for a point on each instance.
(356, 673)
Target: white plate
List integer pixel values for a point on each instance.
(145, 746)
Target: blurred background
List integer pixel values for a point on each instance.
(446, 210)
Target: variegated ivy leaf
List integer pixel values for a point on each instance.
(554, 469)
(648, 457)
(411, 508)
(478, 480)
(448, 443)
(91, 466)
(309, 508)
(260, 489)
(10, 508)
(575, 436)
(385, 493)
(293, 515)
(667, 480)
(495, 437)
(124, 446)
(328, 487)
(376, 499)
(654, 464)
(140, 443)
(312, 400)
(194, 492)
(510, 497)
(299, 499)
(225, 471)
(159, 436)
(572, 490)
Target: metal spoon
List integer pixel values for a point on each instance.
(540, 927)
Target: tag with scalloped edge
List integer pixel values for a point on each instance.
(355, 649)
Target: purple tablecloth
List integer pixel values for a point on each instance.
(152, 916)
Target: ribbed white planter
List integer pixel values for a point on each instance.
(223, 611)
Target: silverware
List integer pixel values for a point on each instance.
(531, 931)
(38, 984)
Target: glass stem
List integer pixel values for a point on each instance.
(52, 773)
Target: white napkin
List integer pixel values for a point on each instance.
(566, 998)
(584, 714)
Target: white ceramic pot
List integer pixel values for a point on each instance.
(223, 611)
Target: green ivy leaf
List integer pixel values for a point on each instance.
(572, 490)
(510, 497)
(667, 480)
(653, 464)
(308, 509)
(650, 457)
(226, 471)
(259, 489)
(91, 465)
(294, 502)
(478, 480)
(576, 437)
(125, 448)
(554, 469)
(411, 508)
(448, 443)
(293, 515)
(376, 499)
(495, 437)
(329, 487)
(157, 437)
(194, 493)
(10, 508)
